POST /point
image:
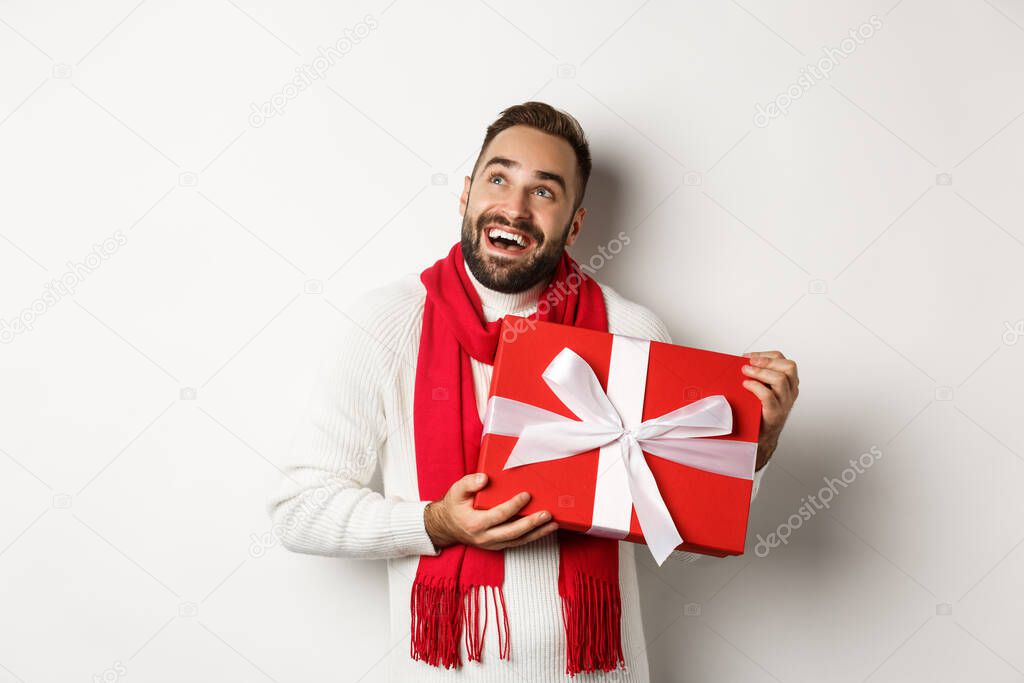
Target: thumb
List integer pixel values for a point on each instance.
(469, 484)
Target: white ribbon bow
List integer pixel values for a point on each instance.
(544, 435)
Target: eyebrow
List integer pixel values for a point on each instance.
(511, 163)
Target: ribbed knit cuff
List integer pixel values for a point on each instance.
(409, 530)
(757, 479)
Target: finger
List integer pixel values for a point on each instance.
(781, 383)
(776, 379)
(769, 354)
(768, 398)
(540, 532)
(516, 528)
(466, 487)
(783, 365)
(530, 537)
(501, 512)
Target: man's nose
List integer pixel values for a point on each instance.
(517, 208)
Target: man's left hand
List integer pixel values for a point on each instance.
(774, 380)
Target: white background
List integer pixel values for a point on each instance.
(145, 415)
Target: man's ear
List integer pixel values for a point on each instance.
(577, 225)
(464, 199)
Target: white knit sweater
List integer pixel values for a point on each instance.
(361, 418)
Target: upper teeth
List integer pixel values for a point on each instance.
(498, 232)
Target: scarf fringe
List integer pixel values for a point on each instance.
(472, 622)
(439, 611)
(434, 604)
(592, 617)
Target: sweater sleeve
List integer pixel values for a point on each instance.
(324, 505)
(652, 327)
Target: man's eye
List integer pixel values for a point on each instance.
(546, 191)
(493, 177)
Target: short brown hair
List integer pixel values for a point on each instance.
(546, 118)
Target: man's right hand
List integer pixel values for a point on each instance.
(453, 519)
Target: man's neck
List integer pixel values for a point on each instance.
(497, 304)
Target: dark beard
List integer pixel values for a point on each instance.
(504, 275)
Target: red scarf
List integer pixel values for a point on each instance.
(446, 592)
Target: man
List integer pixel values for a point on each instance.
(406, 389)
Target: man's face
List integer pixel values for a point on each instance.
(525, 185)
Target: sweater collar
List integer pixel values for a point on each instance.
(497, 304)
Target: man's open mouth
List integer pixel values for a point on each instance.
(507, 241)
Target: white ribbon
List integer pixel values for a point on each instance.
(611, 421)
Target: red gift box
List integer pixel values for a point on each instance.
(701, 465)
